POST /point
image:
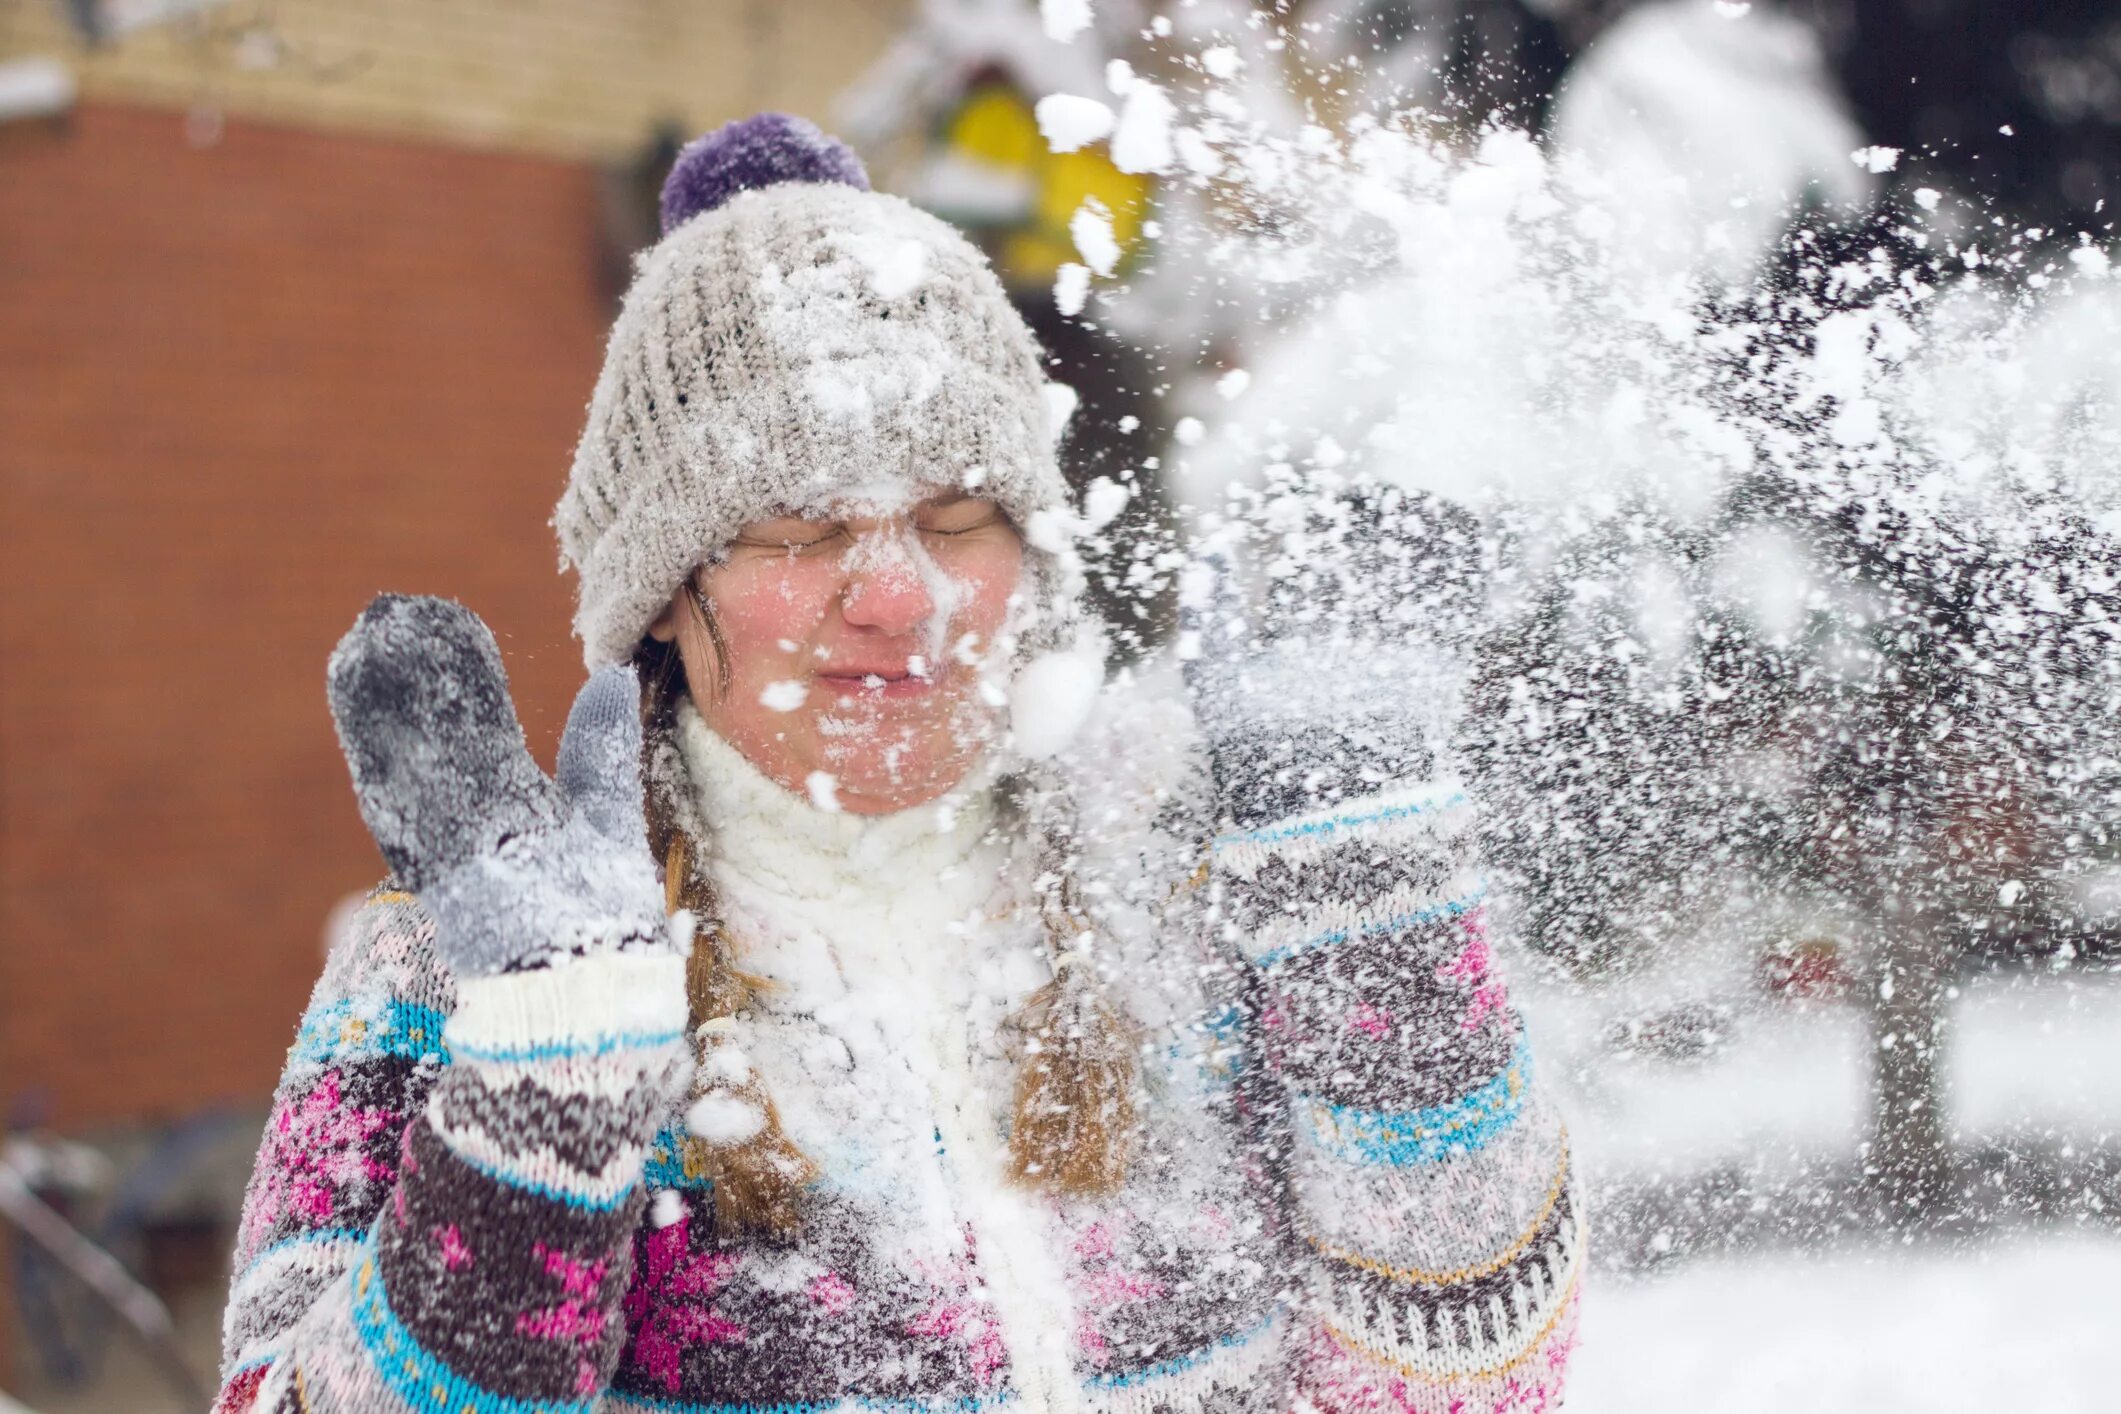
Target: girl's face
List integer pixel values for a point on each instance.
(844, 653)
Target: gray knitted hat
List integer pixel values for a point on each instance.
(795, 339)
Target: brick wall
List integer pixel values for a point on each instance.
(242, 389)
(580, 78)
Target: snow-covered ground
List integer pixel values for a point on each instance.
(2022, 1321)
(2029, 1325)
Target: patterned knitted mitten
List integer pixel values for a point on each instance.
(1336, 679)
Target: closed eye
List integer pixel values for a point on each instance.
(958, 517)
(793, 536)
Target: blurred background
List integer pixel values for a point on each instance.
(303, 299)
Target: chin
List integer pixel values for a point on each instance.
(894, 761)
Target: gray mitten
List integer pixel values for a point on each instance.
(516, 871)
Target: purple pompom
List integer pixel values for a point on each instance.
(758, 151)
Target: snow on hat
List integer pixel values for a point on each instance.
(793, 340)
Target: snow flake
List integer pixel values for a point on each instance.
(1064, 19)
(1091, 230)
(1142, 140)
(1069, 123)
(1071, 288)
(783, 696)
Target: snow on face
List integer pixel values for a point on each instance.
(897, 549)
(865, 642)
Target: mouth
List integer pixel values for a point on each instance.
(875, 682)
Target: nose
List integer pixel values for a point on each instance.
(887, 598)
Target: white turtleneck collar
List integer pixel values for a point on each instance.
(753, 818)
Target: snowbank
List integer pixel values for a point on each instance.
(2023, 1326)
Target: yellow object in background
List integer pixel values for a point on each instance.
(994, 129)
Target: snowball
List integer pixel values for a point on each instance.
(1142, 141)
(1051, 698)
(1189, 431)
(2090, 260)
(1221, 61)
(824, 791)
(1119, 77)
(783, 696)
(38, 86)
(1064, 19)
(1091, 230)
(1049, 531)
(1103, 500)
(1928, 197)
(1233, 383)
(1071, 288)
(1876, 159)
(1068, 122)
(725, 1119)
(1060, 406)
(667, 1208)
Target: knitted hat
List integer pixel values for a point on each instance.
(792, 341)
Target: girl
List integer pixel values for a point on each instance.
(873, 1043)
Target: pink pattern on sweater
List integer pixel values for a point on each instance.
(967, 1323)
(580, 1318)
(315, 1147)
(957, 1314)
(1372, 1021)
(670, 1306)
(455, 1255)
(1338, 1380)
(1470, 967)
(831, 1293)
(1108, 1286)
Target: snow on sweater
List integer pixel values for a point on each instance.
(1348, 1196)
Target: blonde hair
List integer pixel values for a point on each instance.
(1074, 1110)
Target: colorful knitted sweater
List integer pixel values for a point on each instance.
(1348, 1194)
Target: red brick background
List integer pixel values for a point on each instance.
(243, 388)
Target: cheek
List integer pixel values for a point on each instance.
(760, 607)
(986, 579)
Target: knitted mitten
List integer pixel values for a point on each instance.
(498, 1182)
(515, 870)
(1429, 1175)
(1332, 686)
